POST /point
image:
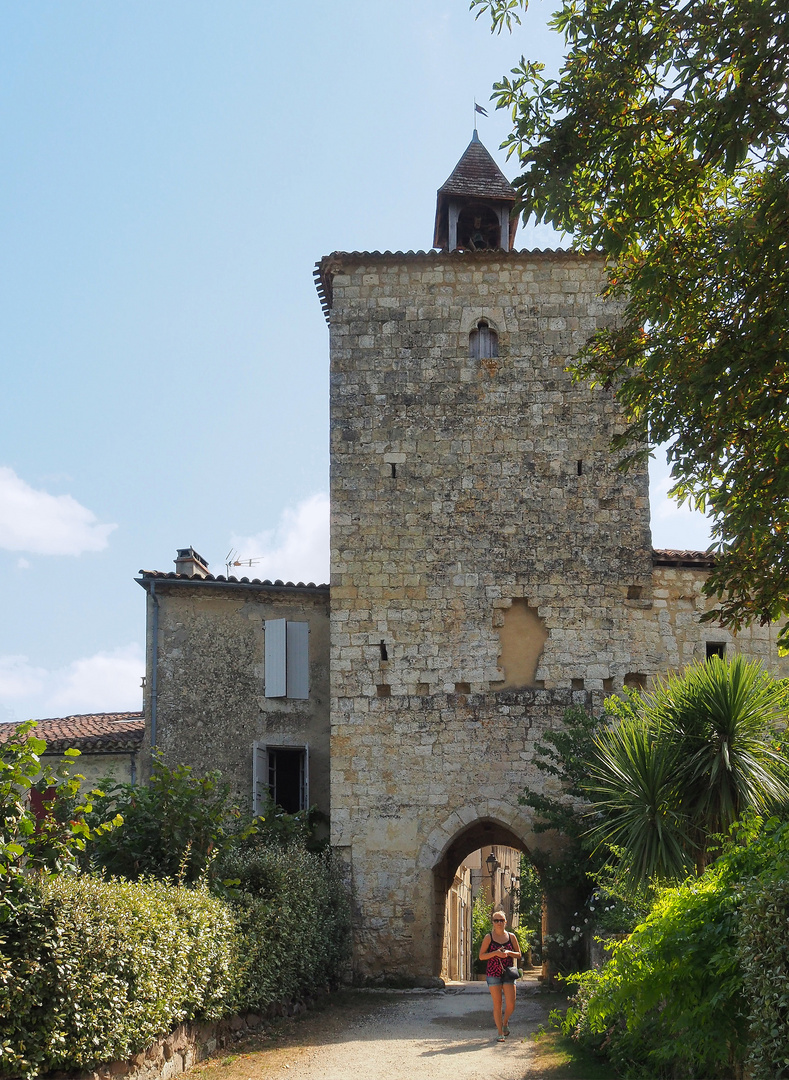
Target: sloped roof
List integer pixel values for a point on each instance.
(220, 579)
(681, 557)
(477, 175)
(88, 732)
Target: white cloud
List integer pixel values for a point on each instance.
(296, 550)
(35, 521)
(108, 681)
(105, 682)
(673, 526)
(19, 678)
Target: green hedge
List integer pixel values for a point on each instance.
(94, 970)
(764, 954)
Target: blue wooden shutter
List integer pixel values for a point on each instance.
(276, 679)
(305, 779)
(259, 777)
(298, 665)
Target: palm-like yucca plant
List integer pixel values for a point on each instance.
(727, 722)
(684, 761)
(638, 800)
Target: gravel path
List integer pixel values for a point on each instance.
(429, 1035)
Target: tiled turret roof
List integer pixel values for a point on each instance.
(477, 175)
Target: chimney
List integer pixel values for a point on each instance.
(190, 563)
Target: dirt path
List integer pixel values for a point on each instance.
(435, 1035)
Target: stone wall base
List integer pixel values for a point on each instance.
(191, 1042)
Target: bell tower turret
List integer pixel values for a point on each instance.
(474, 206)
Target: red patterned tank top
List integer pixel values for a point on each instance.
(497, 964)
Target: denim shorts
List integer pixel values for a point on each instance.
(494, 980)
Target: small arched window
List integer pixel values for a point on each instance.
(483, 341)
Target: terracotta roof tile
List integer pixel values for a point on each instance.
(677, 557)
(220, 579)
(89, 732)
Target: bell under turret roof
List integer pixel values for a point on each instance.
(476, 183)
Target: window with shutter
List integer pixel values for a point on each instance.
(483, 341)
(287, 659)
(282, 774)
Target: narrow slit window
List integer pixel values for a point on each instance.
(483, 341)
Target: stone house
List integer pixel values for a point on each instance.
(490, 567)
(237, 679)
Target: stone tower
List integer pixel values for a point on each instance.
(487, 556)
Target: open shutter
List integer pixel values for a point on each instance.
(305, 779)
(276, 679)
(259, 777)
(298, 663)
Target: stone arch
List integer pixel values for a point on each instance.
(476, 825)
(508, 816)
(483, 341)
(493, 316)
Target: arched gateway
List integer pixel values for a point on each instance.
(491, 823)
(490, 565)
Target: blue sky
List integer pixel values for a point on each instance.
(172, 170)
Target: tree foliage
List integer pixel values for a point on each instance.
(44, 815)
(563, 757)
(663, 143)
(644, 791)
(668, 1003)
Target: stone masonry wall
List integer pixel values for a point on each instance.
(503, 485)
(677, 603)
(458, 487)
(123, 768)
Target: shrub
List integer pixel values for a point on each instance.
(700, 987)
(29, 1003)
(170, 827)
(94, 970)
(764, 952)
(294, 918)
(668, 1003)
(175, 827)
(43, 814)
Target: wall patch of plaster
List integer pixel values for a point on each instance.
(522, 637)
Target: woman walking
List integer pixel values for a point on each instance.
(501, 950)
